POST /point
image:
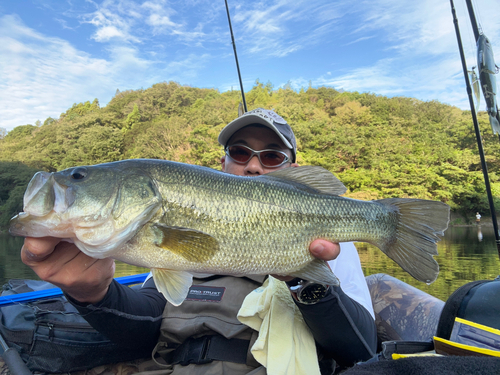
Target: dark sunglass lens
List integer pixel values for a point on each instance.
(239, 153)
(272, 158)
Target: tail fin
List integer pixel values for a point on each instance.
(419, 227)
(495, 125)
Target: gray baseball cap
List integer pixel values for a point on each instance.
(264, 117)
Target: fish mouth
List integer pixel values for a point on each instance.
(44, 194)
(44, 204)
(25, 224)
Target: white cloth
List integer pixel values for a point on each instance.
(347, 267)
(285, 345)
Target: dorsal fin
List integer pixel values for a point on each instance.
(309, 178)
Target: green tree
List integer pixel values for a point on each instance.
(14, 178)
(378, 146)
(133, 117)
(81, 109)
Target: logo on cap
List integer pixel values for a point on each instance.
(276, 118)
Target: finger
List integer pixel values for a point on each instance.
(92, 283)
(53, 261)
(73, 265)
(82, 277)
(36, 250)
(103, 267)
(324, 250)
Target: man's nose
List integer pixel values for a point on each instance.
(253, 166)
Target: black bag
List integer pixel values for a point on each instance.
(51, 336)
(477, 301)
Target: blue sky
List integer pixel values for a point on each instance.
(54, 53)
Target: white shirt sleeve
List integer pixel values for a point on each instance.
(347, 267)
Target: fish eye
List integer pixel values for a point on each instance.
(79, 173)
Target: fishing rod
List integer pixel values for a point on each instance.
(473, 21)
(13, 360)
(476, 128)
(477, 34)
(236, 58)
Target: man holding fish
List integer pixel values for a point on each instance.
(340, 316)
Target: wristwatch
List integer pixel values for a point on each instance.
(307, 292)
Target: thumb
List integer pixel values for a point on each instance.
(37, 250)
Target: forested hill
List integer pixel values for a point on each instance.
(378, 146)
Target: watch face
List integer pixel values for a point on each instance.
(312, 293)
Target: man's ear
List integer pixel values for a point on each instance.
(223, 163)
(294, 165)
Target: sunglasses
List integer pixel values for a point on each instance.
(241, 154)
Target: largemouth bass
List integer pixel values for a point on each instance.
(180, 219)
(487, 76)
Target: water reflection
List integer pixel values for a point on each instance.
(462, 258)
(11, 266)
(465, 254)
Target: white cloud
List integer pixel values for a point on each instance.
(135, 22)
(157, 20)
(389, 47)
(388, 77)
(113, 20)
(359, 40)
(159, 15)
(281, 28)
(185, 71)
(367, 79)
(41, 76)
(419, 50)
(108, 32)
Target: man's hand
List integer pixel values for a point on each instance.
(324, 250)
(321, 249)
(61, 263)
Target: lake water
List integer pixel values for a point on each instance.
(465, 254)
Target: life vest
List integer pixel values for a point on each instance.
(204, 328)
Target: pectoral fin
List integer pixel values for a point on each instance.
(192, 245)
(318, 271)
(174, 285)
